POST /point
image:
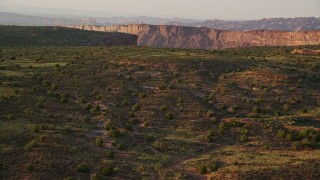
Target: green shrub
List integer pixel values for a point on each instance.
(163, 108)
(50, 93)
(108, 170)
(94, 109)
(210, 113)
(28, 112)
(214, 166)
(96, 176)
(35, 89)
(244, 138)
(169, 115)
(180, 108)
(36, 129)
(244, 130)
(286, 107)
(307, 142)
(281, 134)
(171, 86)
(99, 141)
(202, 169)
(309, 133)
(129, 78)
(44, 127)
(124, 102)
(46, 83)
(150, 138)
(209, 136)
(64, 95)
(131, 114)
(43, 138)
(113, 133)
(30, 145)
(222, 126)
(110, 153)
(180, 105)
(63, 100)
(119, 145)
(10, 116)
(160, 146)
(30, 167)
(304, 110)
(82, 100)
(289, 137)
(136, 107)
(292, 89)
(162, 87)
(108, 125)
(235, 123)
(39, 105)
(54, 87)
(142, 95)
(87, 106)
(256, 110)
(83, 168)
(198, 114)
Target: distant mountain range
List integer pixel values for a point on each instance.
(28, 20)
(285, 24)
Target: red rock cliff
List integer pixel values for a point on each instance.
(206, 38)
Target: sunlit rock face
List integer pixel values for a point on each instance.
(167, 36)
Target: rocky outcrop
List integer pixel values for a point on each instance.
(168, 36)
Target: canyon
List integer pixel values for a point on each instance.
(171, 36)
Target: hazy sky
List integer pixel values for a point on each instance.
(205, 9)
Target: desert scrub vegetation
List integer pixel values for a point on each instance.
(109, 168)
(114, 133)
(98, 141)
(203, 169)
(227, 109)
(150, 138)
(83, 168)
(169, 115)
(30, 145)
(161, 146)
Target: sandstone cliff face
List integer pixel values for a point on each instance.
(205, 38)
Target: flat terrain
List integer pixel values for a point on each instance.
(96, 112)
